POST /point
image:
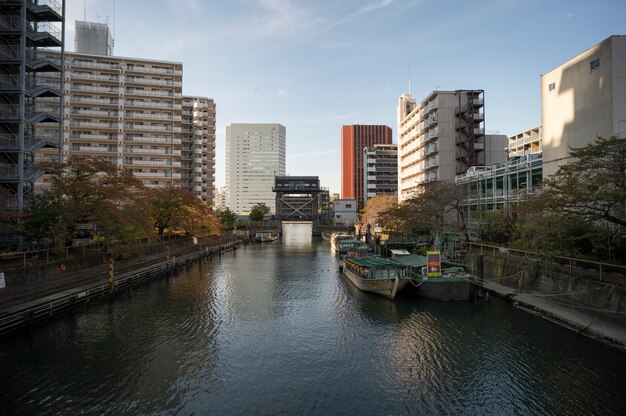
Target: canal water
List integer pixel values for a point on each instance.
(273, 329)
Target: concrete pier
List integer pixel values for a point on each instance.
(602, 325)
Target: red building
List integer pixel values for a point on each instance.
(354, 139)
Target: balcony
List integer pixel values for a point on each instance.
(149, 93)
(107, 78)
(114, 66)
(93, 124)
(148, 104)
(90, 88)
(152, 70)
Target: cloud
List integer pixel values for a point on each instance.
(569, 15)
(375, 5)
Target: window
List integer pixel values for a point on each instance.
(551, 86)
(594, 64)
(348, 205)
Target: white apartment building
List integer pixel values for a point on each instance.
(127, 111)
(255, 154)
(583, 98)
(198, 147)
(442, 137)
(528, 142)
(380, 171)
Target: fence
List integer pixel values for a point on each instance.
(592, 270)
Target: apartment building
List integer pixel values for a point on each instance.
(380, 170)
(354, 139)
(127, 111)
(198, 147)
(255, 155)
(28, 29)
(528, 142)
(442, 137)
(583, 98)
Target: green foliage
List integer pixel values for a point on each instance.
(497, 227)
(227, 217)
(258, 212)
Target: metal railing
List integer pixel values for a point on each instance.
(593, 270)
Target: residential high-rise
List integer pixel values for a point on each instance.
(28, 27)
(93, 38)
(583, 98)
(255, 154)
(354, 139)
(380, 171)
(198, 147)
(127, 111)
(442, 137)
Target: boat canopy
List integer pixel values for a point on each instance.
(370, 261)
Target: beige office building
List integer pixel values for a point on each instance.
(255, 155)
(442, 137)
(583, 98)
(198, 147)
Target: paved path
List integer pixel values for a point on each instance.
(604, 326)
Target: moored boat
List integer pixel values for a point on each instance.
(266, 235)
(384, 277)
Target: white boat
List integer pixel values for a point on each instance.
(266, 235)
(384, 277)
(335, 238)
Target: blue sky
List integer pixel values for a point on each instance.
(314, 66)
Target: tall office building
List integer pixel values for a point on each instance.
(255, 154)
(583, 98)
(354, 139)
(28, 27)
(198, 147)
(380, 171)
(442, 137)
(127, 111)
(93, 38)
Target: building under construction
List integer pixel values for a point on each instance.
(29, 29)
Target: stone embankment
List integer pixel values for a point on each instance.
(31, 297)
(574, 297)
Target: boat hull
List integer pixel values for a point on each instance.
(385, 287)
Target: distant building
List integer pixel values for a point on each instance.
(528, 142)
(198, 147)
(93, 38)
(219, 199)
(255, 155)
(344, 212)
(583, 98)
(380, 171)
(354, 139)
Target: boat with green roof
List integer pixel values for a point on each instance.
(378, 275)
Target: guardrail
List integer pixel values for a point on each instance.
(19, 317)
(593, 270)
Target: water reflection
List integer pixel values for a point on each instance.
(275, 329)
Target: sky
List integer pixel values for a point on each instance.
(314, 66)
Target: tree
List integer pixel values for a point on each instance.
(227, 217)
(173, 207)
(593, 186)
(434, 208)
(259, 211)
(86, 191)
(375, 206)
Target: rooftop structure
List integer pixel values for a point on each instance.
(93, 38)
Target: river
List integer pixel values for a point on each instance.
(273, 329)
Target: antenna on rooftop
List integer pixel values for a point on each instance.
(85, 12)
(113, 39)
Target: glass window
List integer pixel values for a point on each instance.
(595, 64)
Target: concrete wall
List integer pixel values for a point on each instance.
(577, 101)
(581, 286)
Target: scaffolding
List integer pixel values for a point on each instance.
(29, 31)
